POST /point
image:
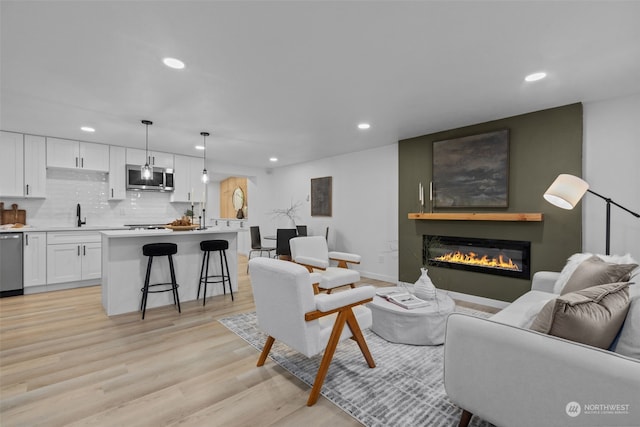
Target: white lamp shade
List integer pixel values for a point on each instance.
(566, 191)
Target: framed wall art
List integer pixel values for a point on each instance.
(321, 196)
(472, 171)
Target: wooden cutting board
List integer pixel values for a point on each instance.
(13, 215)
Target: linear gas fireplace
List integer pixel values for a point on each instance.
(511, 258)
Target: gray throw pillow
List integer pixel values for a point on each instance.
(591, 316)
(594, 271)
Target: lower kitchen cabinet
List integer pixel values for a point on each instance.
(73, 256)
(35, 259)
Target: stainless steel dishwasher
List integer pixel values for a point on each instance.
(11, 264)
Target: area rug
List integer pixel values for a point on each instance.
(404, 389)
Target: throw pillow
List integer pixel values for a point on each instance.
(594, 271)
(572, 263)
(576, 259)
(592, 316)
(629, 339)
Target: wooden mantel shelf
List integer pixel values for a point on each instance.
(476, 216)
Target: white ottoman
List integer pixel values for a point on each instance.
(417, 326)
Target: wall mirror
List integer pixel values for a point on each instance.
(237, 199)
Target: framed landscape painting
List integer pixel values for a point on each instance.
(472, 171)
(321, 196)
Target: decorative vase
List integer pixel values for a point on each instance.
(424, 288)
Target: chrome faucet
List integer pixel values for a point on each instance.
(79, 217)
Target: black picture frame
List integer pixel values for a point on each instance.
(472, 171)
(321, 193)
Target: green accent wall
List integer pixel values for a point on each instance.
(542, 145)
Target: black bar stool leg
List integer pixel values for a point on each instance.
(174, 285)
(228, 276)
(145, 290)
(206, 278)
(224, 291)
(204, 256)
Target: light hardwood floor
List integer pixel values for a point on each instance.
(63, 362)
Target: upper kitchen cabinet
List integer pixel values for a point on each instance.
(11, 164)
(35, 166)
(23, 172)
(155, 158)
(188, 186)
(117, 171)
(68, 154)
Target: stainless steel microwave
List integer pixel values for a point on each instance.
(162, 179)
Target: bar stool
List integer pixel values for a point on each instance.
(159, 249)
(207, 247)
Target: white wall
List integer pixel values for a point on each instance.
(612, 168)
(364, 205)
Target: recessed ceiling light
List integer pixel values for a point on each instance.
(364, 126)
(535, 77)
(199, 147)
(173, 63)
(273, 159)
(87, 129)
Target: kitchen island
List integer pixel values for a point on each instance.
(124, 266)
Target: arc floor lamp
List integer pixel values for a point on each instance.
(567, 190)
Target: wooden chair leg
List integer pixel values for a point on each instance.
(326, 359)
(359, 338)
(329, 291)
(316, 289)
(465, 417)
(265, 350)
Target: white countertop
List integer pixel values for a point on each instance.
(28, 228)
(144, 233)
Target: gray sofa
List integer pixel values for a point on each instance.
(508, 375)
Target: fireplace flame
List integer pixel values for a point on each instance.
(471, 258)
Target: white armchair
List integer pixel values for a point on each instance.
(288, 311)
(313, 253)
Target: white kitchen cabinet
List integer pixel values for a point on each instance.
(73, 256)
(11, 164)
(91, 260)
(155, 158)
(117, 184)
(35, 166)
(68, 154)
(187, 178)
(94, 156)
(35, 259)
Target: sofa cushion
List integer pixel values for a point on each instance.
(523, 310)
(629, 340)
(591, 316)
(576, 259)
(594, 271)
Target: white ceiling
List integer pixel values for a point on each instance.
(293, 79)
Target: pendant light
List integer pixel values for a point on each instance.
(146, 172)
(205, 175)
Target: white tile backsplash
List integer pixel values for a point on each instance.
(67, 188)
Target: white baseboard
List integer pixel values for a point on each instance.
(376, 276)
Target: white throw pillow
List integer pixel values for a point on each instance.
(576, 259)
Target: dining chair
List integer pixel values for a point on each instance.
(256, 244)
(283, 235)
(302, 230)
(288, 311)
